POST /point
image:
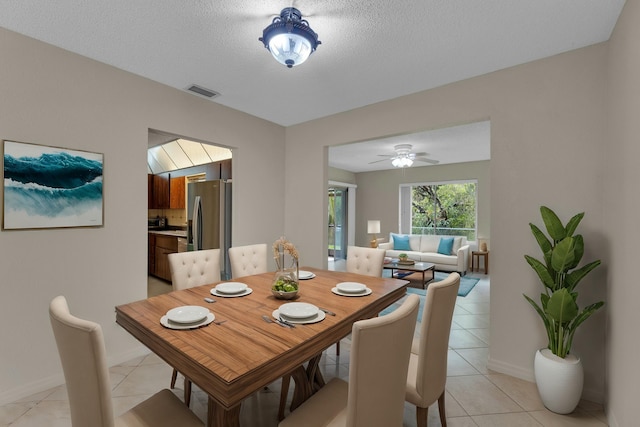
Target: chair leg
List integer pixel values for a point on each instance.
(174, 376)
(187, 392)
(338, 348)
(283, 396)
(443, 414)
(421, 416)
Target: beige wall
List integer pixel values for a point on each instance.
(378, 194)
(546, 148)
(50, 96)
(342, 176)
(620, 160)
(553, 142)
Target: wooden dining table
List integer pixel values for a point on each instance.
(233, 360)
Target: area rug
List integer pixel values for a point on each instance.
(466, 283)
(419, 292)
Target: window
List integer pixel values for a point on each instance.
(439, 208)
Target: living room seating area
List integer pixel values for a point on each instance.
(448, 253)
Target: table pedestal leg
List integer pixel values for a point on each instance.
(308, 381)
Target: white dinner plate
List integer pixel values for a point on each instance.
(303, 275)
(317, 318)
(241, 294)
(164, 321)
(230, 288)
(187, 314)
(345, 294)
(298, 310)
(351, 287)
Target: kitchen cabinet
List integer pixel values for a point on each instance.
(151, 254)
(177, 193)
(164, 245)
(159, 192)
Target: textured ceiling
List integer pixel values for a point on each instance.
(371, 51)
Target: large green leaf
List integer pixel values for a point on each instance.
(573, 223)
(541, 269)
(562, 306)
(543, 242)
(578, 250)
(562, 255)
(553, 224)
(572, 279)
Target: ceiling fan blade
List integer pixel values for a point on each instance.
(426, 160)
(378, 161)
(421, 154)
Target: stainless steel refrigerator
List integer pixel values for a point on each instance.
(209, 219)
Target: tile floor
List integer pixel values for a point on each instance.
(475, 396)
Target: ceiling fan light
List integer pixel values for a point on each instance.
(289, 38)
(402, 161)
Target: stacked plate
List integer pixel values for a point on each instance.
(351, 289)
(299, 313)
(231, 289)
(304, 275)
(187, 317)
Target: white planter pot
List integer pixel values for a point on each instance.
(559, 381)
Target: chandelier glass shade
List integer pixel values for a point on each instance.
(289, 38)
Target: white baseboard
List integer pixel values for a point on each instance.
(511, 370)
(43, 384)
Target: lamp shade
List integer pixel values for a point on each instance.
(373, 226)
(289, 38)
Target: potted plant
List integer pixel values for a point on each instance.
(559, 374)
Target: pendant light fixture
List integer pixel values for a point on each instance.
(289, 38)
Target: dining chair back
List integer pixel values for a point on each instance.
(367, 261)
(427, 374)
(374, 395)
(84, 362)
(194, 268)
(248, 260)
(189, 269)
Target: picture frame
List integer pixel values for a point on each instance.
(51, 187)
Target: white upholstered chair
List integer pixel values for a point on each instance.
(248, 260)
(84, 362)
(427, 374)
(367, 261)
(189, 269)
(374, 395)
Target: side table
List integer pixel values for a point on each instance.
(475, 261)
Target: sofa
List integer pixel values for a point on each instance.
(448, 253)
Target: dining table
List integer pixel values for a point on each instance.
(243, 352)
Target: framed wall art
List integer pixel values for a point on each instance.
(51, 187)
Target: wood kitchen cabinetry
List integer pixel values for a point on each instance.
(159, 192)
(159, 254)
(177, 193)
(166, 192)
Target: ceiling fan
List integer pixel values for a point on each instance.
(403, 157)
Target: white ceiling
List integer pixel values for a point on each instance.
(466, 143)
(371, 51)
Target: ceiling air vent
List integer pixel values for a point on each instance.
(203, 91)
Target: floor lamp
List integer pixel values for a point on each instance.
(373, 227)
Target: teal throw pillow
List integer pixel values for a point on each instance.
(445, 246)
(400, 242)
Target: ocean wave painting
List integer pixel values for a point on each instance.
(48, 187)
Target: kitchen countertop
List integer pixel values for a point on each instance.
(176, 233)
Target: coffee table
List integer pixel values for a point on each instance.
(417, 266)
